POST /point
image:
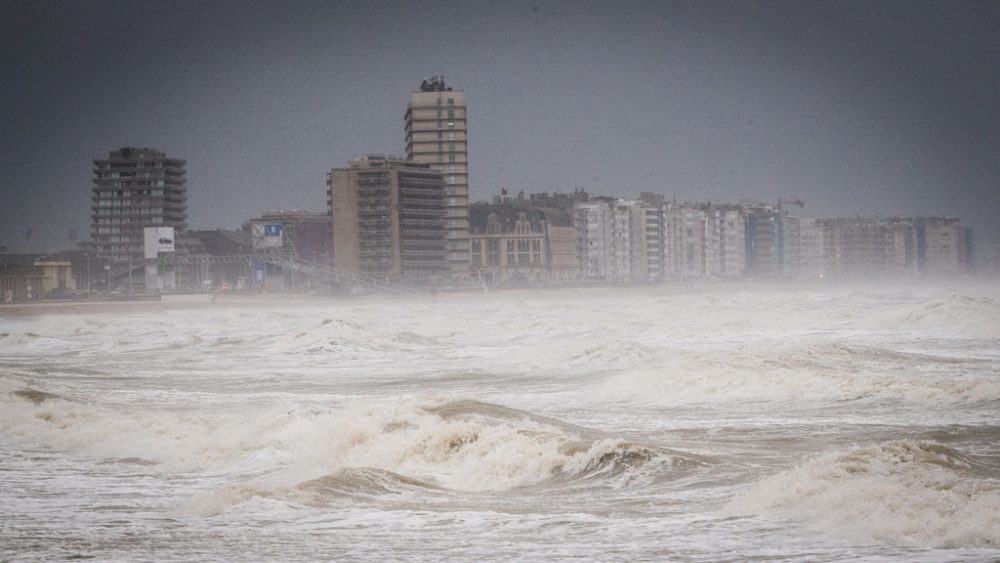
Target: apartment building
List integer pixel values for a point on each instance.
(388, 218)
(436, 133)
(135, 188)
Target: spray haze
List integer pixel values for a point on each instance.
(854, 421)
(683, 385)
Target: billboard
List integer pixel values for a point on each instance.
(272, 236)
(267, 236)
(157, 240)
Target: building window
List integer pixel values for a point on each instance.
(451, 124)
(451, 101)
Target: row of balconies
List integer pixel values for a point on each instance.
(429, 192)
(368, 240)
(421, 213)
(423, 244)
(373, 178)
(418, 222)
(421, 207)
(370, 258)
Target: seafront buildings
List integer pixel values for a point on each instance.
(388, 218)
(436, 133)
(305, 235)
(517, 240)
(409, 219)
(135, 188)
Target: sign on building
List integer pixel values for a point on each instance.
(272, 236)
(267, 236)
(157, 240)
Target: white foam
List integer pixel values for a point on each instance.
(901, 492)
(819, 373)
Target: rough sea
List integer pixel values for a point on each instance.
(782, 424)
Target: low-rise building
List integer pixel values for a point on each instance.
(516, 240)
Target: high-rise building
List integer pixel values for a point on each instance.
(942, 246)
(436, 134)
(388, 218)
(134, 189)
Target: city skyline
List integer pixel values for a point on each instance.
(884, 109)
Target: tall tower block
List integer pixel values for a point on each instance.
(436, 134)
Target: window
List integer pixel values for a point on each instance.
(451, 101)
(451, 124)
(451, 114)
(451, 135)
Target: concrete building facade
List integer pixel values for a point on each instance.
(941, 246)
(436, 133)
(765, 241)
(388, 218)
(133, 189)
(593, 223)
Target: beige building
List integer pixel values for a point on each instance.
(804, 248)
(436, 134)
(388, 218)
(942, 246)
(57, 276)
(518, 242)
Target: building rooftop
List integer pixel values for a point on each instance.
(434, 84)
(376, 160)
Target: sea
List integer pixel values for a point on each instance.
(716, 423)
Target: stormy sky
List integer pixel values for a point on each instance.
(871, 108)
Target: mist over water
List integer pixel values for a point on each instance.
(824, 424)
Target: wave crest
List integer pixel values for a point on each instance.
(901, 492)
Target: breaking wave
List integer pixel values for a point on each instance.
(362, 448)
(901, 492)
(972, 316)
(828, 372)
